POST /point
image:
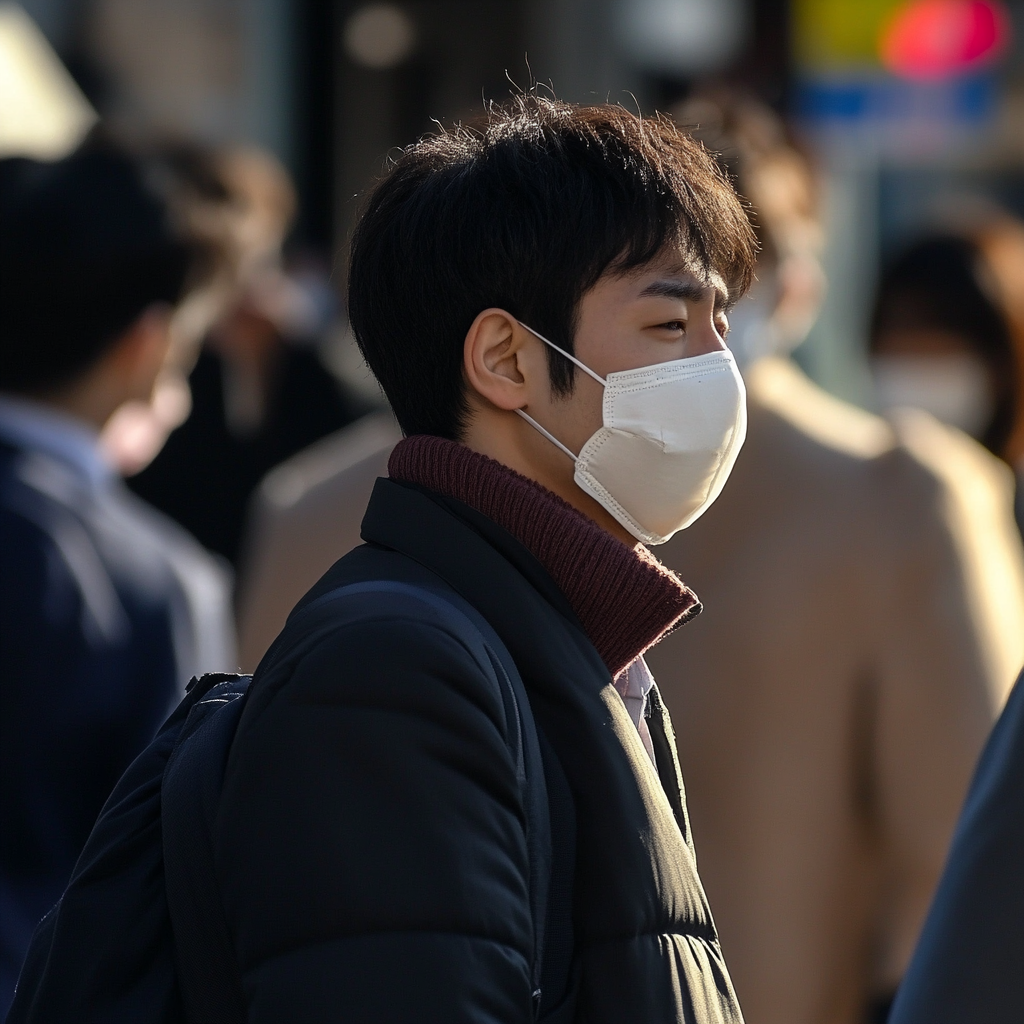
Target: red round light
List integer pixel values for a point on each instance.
(931, 39)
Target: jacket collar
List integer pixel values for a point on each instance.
(486, 565)
(37, 428)
(622, 596)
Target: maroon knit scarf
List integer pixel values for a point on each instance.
(625, 599)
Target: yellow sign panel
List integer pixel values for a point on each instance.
(834, 34)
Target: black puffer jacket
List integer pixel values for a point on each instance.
(371, 845)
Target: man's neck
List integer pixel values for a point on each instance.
(81, 401)
(624, 598)
(508, 439)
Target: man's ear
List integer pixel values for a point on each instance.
(497, 359)
(139, 354)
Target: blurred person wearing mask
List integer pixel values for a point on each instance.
(106, 607)
(259, 392)
(947, 335)
(833, 697)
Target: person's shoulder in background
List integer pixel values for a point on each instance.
(923, 476)
(977, 498)
(779, 388)
(120, 557)
(206, 625)
(304, 516)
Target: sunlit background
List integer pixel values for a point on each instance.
(913, 109)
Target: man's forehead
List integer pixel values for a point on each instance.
(658, 276)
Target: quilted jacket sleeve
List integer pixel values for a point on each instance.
(371, 845)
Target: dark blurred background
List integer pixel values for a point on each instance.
(907, 129)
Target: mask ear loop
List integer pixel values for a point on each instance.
(572, 359)
(551, 437)
(561, 351)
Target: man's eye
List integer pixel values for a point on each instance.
(675, 325)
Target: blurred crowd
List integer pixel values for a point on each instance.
(180, 461)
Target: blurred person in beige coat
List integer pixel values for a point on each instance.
(863, 586)
(303, 517)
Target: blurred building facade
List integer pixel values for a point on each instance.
(905, 136)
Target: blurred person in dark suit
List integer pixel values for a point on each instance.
(947, 334)
(259, 391)
(863, 587)
(107, 608)
(966, 968)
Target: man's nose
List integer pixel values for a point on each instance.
(703, 336)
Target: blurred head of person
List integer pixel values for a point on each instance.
(266, 307)
(92, 268)
(233, 207)
(778, 183)
(942, 336)
(616, 238)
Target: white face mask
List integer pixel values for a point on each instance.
(671, 435)
(954, 388)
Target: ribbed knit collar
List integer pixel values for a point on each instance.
(625, 599)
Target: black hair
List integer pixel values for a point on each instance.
(86, 245)
(525, 211)
(942, 282)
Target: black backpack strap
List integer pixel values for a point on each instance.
(560, 970)
(207, 969)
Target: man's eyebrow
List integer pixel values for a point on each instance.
(670, 288)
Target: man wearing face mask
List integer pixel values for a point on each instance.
(457, 796)
(863, 618)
